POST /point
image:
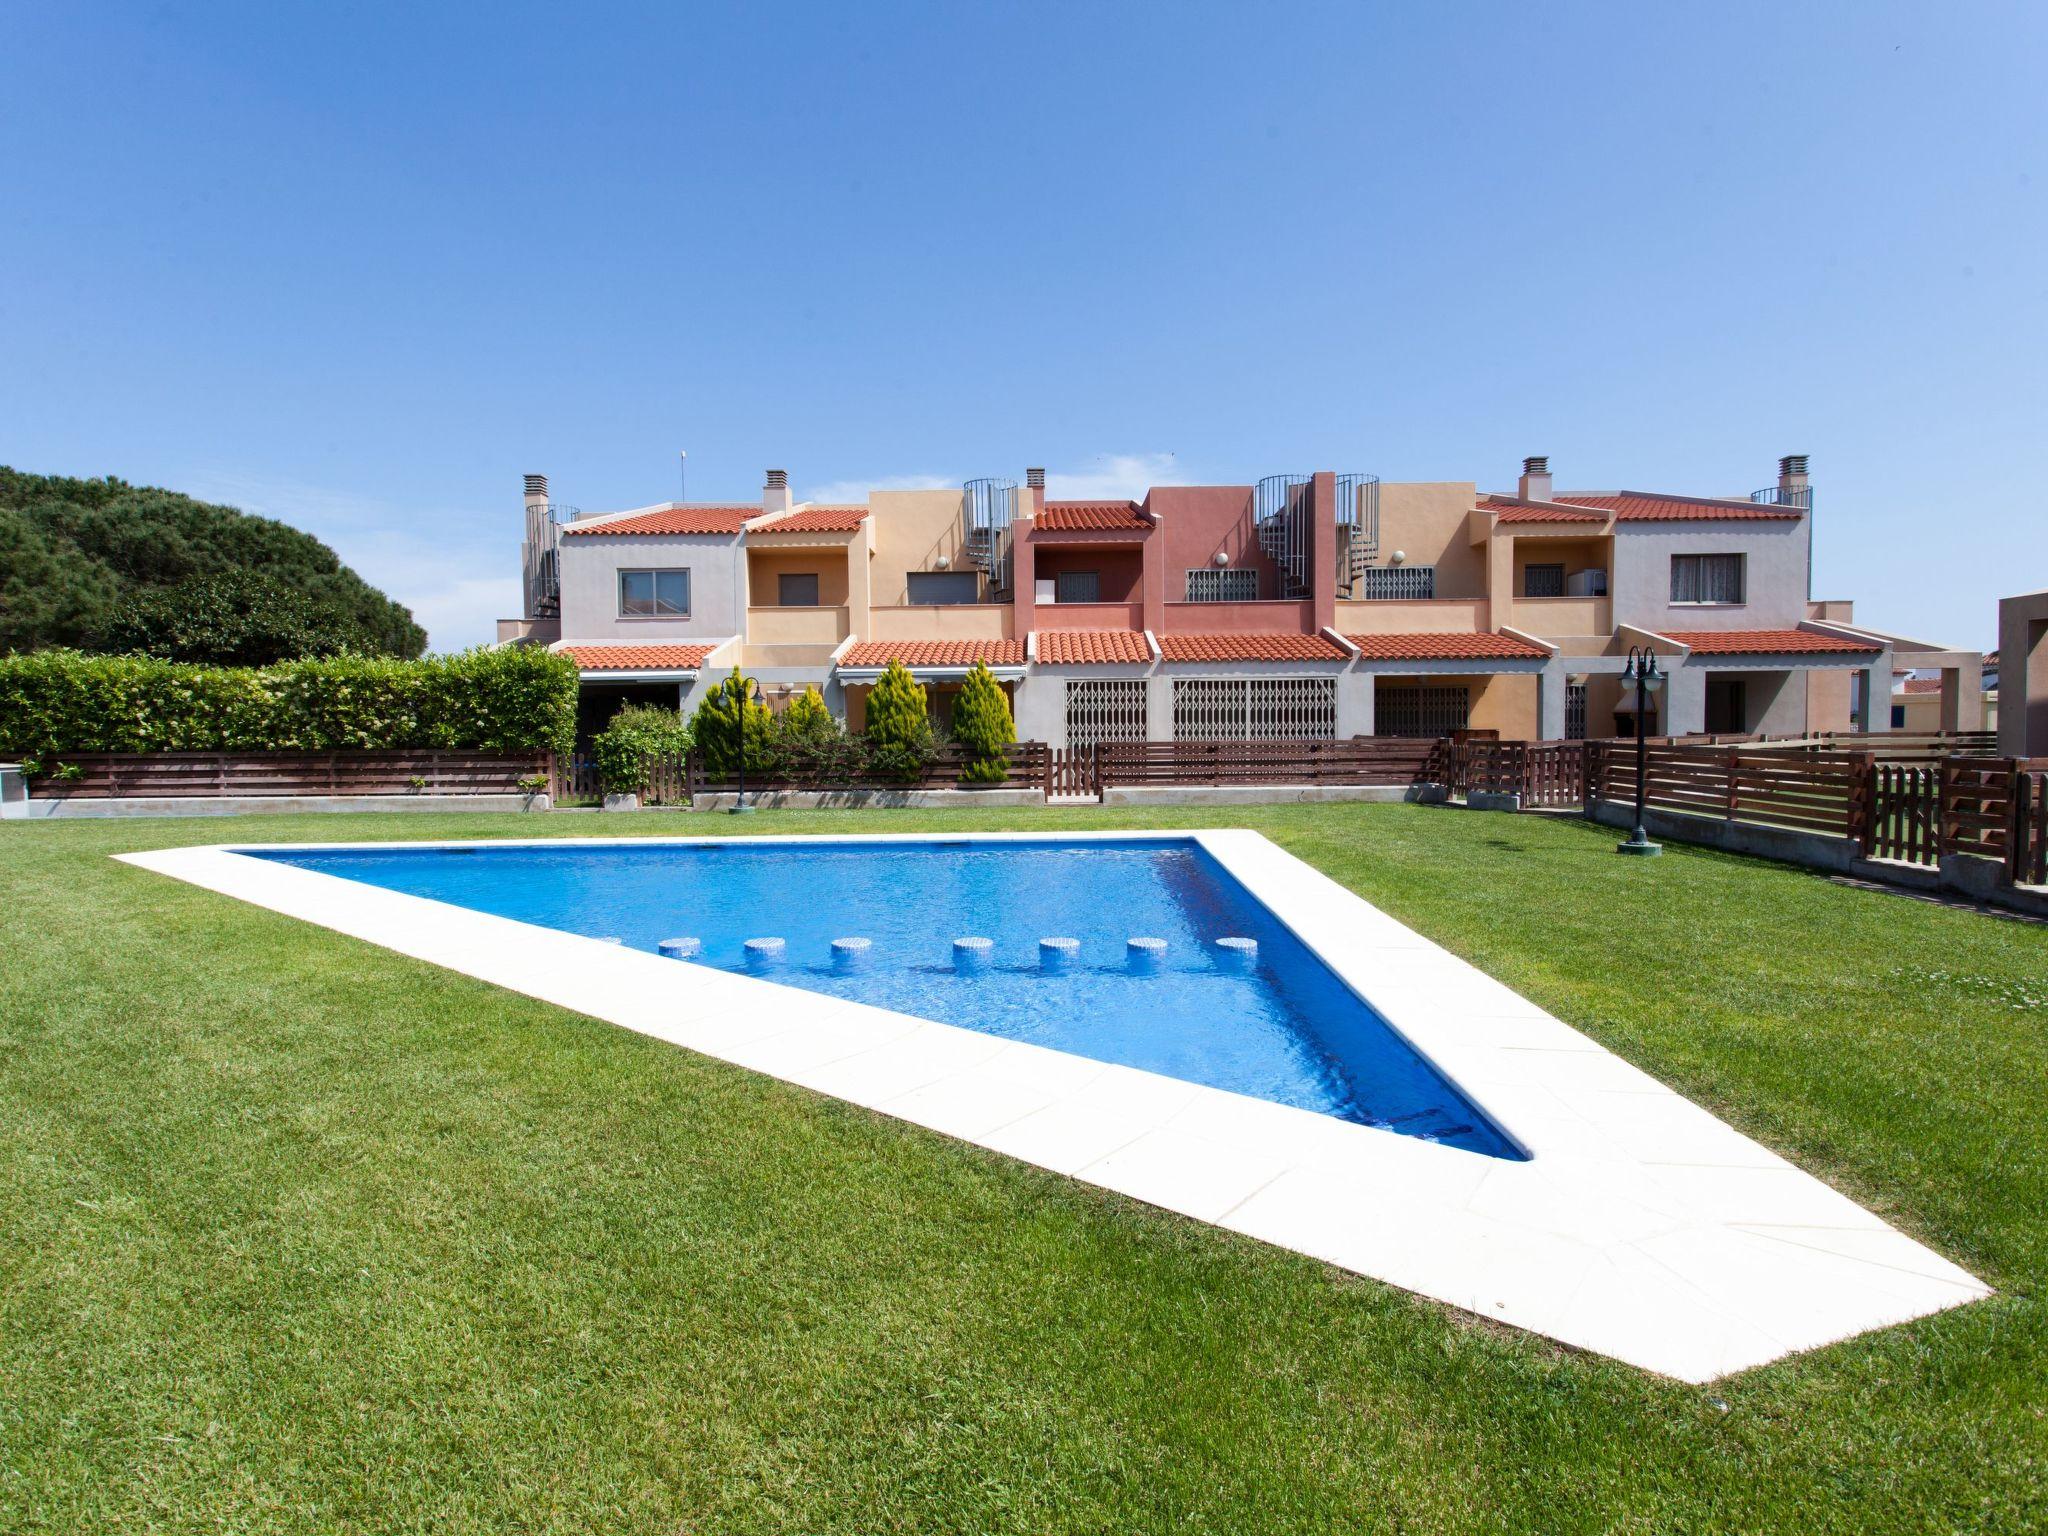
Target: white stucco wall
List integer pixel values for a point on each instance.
(1774, 595)
(590, 585)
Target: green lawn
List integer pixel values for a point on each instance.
(300, 1235)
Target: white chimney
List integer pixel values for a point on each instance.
(775, 495)
(1535, 482)
(536, 491)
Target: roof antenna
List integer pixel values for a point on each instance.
(683, 473)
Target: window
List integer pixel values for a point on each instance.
(1254, 708)
(1227, 585)
(940, 587)
(793, 590)
(1706, 578)
(1105, 709)
(1077, 587)
(1543, 581)
(1389, 583)
(1420, 709)
(654, 594)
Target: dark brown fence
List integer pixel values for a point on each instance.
(1976, 805)
(1359, 760)
(1810, 790)
(1074, 771)
(1028, 762)
(1905, 813)
(1543, 773)
(2027, 855)
(185, 775)
(1895, 746)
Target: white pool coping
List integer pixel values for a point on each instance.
(1641, 1227)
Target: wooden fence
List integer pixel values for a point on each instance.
(187, 775)
(1074, 771)
(1807, 789)
(1544, 773)
(1368, 760)
(2027, 855)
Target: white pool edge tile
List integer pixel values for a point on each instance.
(1725, 1260)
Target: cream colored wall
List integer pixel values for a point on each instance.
(1828, 701)
(910, 530)
(1441, 616)
(1428, 522)
(764, 565)
(937, 621)
(823, 625)
(1558, 617)
(1506, 702)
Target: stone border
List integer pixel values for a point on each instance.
(116, 808)
(1640, 1226)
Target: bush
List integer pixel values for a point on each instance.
(811, 746)
(716, 729)
(982, 725)
(636, 733)
(901, 742)
(521, 699)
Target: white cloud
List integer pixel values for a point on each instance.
(854, 492)
(1115, 477)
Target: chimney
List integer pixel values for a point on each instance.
(1793, 489)
(536, 491)
(1034, 486)
(775, 495)
(1535, 482)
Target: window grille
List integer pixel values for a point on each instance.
(1420, 709)
(1706, 578)
(1387, 583)
(1543, 581)
(1077, 587)
(1105, 709)
(1231, 584)
(1254, 708)
(1574, 711)
(941, 587)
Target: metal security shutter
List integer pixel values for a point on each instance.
(1574, 711)
(1105, 709)
(1077, 587)
(1254, 708)
(1390, 583)
(1239, 584)
(1420, 709)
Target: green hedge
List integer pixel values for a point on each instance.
(515, 700)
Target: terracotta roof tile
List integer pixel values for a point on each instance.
(1467, 645)
(1647, 506)
(1091, 647)
(638, 658)
(668, 520)
(1071, 516)
(818, 520)
(1919, 685)
(1512, 511)
(933, 653)
(1765, 642)
(1270, 647)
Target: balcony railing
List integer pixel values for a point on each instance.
(1784, 496)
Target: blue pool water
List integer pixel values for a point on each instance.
(1288, 1031)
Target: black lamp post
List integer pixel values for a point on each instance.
(1642, 671)
(750, 693)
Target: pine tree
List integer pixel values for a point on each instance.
(982, 725)
(899, 731)
(715, 728)
(807, 715)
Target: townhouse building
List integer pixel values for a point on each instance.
(1305, 605)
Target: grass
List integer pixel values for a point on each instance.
(304, 1236)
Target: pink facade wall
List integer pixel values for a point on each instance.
(1199, 521)
(1121, 571)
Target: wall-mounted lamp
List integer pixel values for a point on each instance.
(1398, 557)
(943, 563)
(1222, 557)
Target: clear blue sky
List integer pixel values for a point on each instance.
(361, 267)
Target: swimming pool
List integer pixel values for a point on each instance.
(1286, 1029)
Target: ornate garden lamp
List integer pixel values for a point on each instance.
(1641, 671)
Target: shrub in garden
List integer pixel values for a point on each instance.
(637, 733)
(900, 740)
(811, 746)
(717, 725)
(520, 699)
(982, 725)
